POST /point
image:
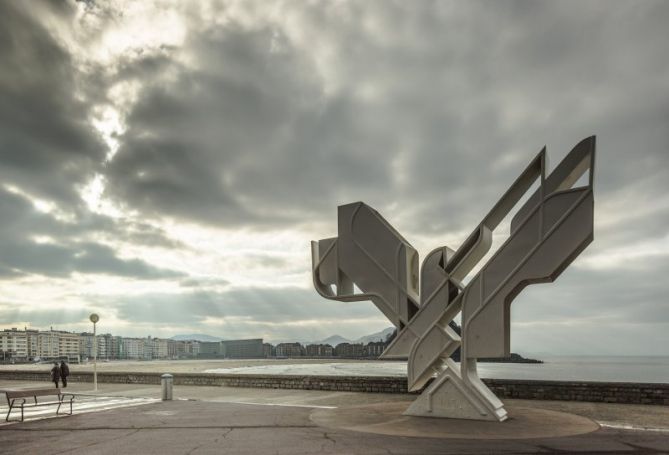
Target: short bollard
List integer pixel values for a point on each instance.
(166, 384)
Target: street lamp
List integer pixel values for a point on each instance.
(94, 319)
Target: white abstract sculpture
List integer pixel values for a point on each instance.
(547, 233)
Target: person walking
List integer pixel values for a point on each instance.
(55, 373)
(64, 372)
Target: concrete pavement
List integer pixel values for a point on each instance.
(265, 421)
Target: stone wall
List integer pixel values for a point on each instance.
(609, 392)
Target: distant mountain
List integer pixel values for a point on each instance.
(196, 336)
(378, 336)
(333, 340)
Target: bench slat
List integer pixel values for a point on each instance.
(31, 393)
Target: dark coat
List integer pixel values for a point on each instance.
(64, 370)
(55, 373)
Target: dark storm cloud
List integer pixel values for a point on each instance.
(222, 142)
(460, 99)
(49, 149)
(62, 254)
(47, 144)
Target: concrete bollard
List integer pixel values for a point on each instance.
(166, 381)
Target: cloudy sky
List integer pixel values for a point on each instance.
(166, 163)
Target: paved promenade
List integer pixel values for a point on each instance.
(204, 420)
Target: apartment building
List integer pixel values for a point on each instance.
(118, 348)
(289, 350)
(157, 348)
(31, 338)
(29, 344)
(105, 346)
(375, 348)
(134, 348)
(86, 345)
(320, 350)
(192, 348)
(211, 349)
(242, 349)
(175, 349)
(48, 344)
(68, 346)
(349, 350)
(14, 344)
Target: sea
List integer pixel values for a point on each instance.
(652, 369)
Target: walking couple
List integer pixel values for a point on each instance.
(60, 373)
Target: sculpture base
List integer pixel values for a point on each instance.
(449, 397)
(388, 419)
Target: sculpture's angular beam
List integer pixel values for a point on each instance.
(456, 266)
(548, 232)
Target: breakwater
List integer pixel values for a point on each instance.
(608, 392)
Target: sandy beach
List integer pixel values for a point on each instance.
(175, 366)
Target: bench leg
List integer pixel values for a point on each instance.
(60, 404)
(12, 407)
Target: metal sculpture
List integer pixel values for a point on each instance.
(547, 233)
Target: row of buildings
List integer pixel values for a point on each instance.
(33, 345)
(372, 349)
(255, 348)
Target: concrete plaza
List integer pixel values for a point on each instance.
(205, 420)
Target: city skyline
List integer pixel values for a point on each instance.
(207, 337)
(165, 165)
(31, 345)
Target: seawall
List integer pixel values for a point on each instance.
(608, 392)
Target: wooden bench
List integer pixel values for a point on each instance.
(13, 397)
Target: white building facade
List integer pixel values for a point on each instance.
(13, 344)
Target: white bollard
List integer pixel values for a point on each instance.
(166, 384)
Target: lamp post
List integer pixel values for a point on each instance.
(94, 319)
